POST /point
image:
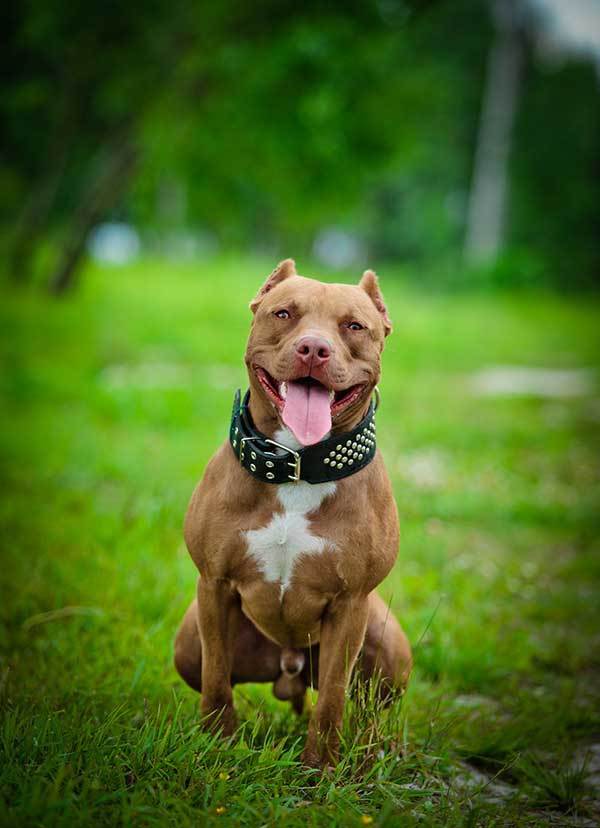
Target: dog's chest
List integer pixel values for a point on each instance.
(277, 547)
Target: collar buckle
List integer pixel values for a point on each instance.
(295, 477)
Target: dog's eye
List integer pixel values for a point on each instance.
(282, 314)
(355, 326)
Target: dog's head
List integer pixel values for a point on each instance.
(314, 351)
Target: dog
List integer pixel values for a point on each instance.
(294, 523)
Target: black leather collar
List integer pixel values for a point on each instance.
(339, 456)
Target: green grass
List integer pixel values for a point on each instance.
(115, 398)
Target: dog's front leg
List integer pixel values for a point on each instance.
(217, 620)
(342, 634)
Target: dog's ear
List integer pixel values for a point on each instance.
(284, 270)
(370, 284)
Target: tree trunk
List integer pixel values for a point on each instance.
(33, 220)
(113, 176)
(489, 189)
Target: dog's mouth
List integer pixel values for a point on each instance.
(306, 405)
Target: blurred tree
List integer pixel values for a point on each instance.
(262, 123)
(79, 79)
(539, 35)
(489, 190)
(90, 85)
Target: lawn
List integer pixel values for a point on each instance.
(114, 399)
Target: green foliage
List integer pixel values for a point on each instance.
(258, 125)
(114, 400)
(556, 189)
(76, 75)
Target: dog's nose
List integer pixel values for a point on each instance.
(313, 349)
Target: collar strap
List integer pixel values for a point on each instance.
(339, 456)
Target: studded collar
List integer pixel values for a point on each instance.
(339, 456)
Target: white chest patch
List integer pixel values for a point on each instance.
(277, 546)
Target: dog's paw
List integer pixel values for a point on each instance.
(322, 747)
(312, 759)
(221, 720)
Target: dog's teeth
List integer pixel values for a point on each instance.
(283, 390)
(331, 395)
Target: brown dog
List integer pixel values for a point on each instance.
(294, 524)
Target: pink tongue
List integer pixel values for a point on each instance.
(307, 412)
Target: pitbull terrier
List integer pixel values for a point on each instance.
(294, 523)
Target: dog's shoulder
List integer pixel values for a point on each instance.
(220, 505)
(362, 523)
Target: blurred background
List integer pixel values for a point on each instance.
(457, 138)
(158, 159)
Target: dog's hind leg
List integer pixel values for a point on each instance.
(386, 652)
(188, 650)
(255, 658)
